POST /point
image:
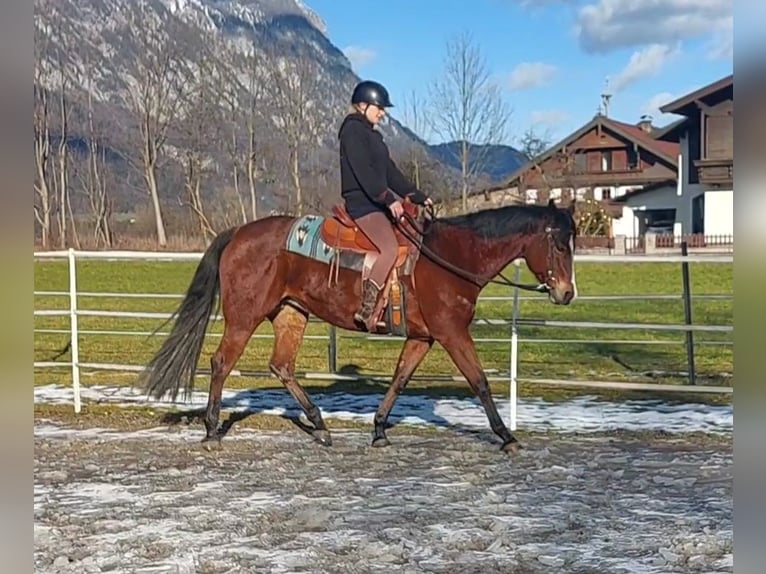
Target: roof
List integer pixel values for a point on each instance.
(677, 105)
(647, 188)
(666, 150)
(669, 150)
(672, 131)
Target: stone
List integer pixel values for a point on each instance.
(552, 561)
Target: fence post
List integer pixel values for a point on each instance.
(332, 351)
(688, 314)
(514, 346)
(75, 345)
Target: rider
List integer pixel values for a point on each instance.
(372, 186)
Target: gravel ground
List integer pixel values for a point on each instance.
(438, 502)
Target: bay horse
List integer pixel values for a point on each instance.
(283, 268)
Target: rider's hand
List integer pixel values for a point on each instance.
(429, 202)
(397, 209)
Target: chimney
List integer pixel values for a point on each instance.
(645, 123)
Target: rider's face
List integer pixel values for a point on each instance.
(374, 114)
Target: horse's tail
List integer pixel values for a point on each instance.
(176, 361)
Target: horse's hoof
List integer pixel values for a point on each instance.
(210, 443)
(380, 441)
(322, 437)
(512, 446)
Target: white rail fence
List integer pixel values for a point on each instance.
(76, 365)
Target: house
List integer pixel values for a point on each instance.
(700, 198)
(497, 196)
(603, 160)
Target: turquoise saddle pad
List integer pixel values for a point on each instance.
(304, 239)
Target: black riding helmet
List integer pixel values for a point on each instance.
(369, 92)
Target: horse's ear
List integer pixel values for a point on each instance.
(551, 203)
(572, 207)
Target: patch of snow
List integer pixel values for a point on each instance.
(581, 414)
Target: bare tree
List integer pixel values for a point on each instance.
(293, 85)
(242, 96)
(58, 124)
(416, 119)
(43, 204)
(155, 93)
(94, 183)
(52, 108)
(532, 144)
(65, 214)
(472, 113)
(255, 96)
(234, 117)
(200, 133)
(65, 204)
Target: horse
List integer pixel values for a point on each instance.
(283, 268)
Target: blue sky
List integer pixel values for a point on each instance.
(551, 58)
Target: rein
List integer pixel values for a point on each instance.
(472, 277)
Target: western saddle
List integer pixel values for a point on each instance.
(342, 233)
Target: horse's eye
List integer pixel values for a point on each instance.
(560, 243)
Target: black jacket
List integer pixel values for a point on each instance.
(369, 178)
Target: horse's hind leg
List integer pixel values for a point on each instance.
(289, 328)
(236, 333)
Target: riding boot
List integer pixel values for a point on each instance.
(370, 293)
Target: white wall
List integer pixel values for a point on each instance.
(661, 198)
(626, 225)
(719, 212)
(598, 192)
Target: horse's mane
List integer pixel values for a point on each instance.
(500, 221)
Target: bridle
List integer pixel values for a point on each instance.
(472, 277)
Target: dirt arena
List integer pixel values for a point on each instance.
(153, 501)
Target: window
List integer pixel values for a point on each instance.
(606, 193)
(606, 160)
(698, 214)
(659, 221)
(580, 163)
(632, 158)
(719, 137)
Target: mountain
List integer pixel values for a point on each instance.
(495, 162)
(104, 44)
(134, 56)
(199, 78)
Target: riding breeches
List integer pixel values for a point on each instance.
(378, 229)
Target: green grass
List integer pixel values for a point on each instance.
(588, 360)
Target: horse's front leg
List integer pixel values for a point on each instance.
(462, 351)
(411, 356)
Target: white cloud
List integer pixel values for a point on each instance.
(721, 45)
(550, 118)
(359, 56)
(652, 106)
(611, 24)
(531, 75)
(643, 63)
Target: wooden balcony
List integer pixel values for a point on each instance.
(715, 172)
(603, 178)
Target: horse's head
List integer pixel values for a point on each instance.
(550, 254)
